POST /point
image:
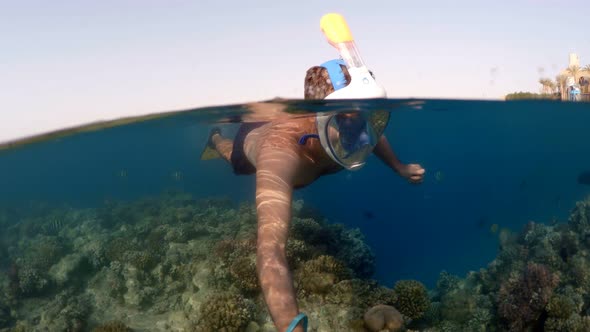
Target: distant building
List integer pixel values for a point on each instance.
(581, 80)
(574, 60)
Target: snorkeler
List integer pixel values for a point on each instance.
(293, 153)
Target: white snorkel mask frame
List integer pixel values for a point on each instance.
(362, 84)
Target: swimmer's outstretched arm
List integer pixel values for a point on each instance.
(413, 172)
(275, 170)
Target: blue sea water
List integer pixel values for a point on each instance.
(504, 163)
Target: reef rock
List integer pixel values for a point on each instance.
(383, 318)
(65, 268)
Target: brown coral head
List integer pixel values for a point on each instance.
(522, 300)
(383, 318)
(224, 248)
(542, 275)
(243, 271)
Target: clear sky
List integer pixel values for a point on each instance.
(63, 62)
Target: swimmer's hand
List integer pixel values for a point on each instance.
(414, 173)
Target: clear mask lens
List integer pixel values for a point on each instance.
(351, 137)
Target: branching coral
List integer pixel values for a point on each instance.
(307, 229)
(30, 281)
(446, 282)
(359, 293)
(181, 233)
(521, 300)
(43, 252)
(458, 305)
(317, 276)
(67, 312)
(143, 260)
(333, 239)
(580, 218)
(243, 271)
(297, 251)
(117, 248)
(561, 306)
(115, 326)
(462, 302)
(224, 312)
(573, 323)
(411, 298)
(480, 321)
(563, 311)
(237, 260)
(353, 250)
(229, 249)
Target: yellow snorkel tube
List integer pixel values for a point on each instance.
(362, 84)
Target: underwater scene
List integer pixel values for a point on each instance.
(124, 227)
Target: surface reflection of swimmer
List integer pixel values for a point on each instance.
(293, 153)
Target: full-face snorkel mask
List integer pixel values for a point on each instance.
(349, 138)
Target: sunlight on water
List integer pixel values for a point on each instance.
(121, 224)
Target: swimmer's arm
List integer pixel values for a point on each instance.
(385, 152)
(276, 167)
(412, 172)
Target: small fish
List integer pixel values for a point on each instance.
(482, 222)
(53, 226)
(57, 223)
(558, 201)
(122, 173)
(177, 176)
(494, 228)
(523, 185)
(584, 178)
(369, 215)
(438, 176)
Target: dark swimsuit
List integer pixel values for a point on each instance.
(239, 160)
(243, 166)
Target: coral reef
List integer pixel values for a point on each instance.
(320, 274)
(224, 312)
(5, 317)
(243, 272)
(411, 298)
(335, 240)
(573, 323)
(115, 326)
(540, 280)
(235, 264)
(66, 312)
(172, 263)
(521, 300)
(383, 318)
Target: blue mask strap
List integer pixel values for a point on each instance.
(335, 72)
(304, 138)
